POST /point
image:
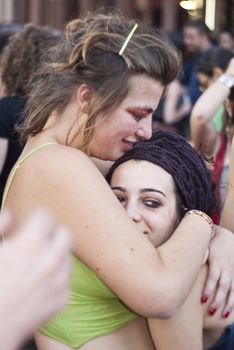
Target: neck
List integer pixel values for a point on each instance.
(64, 128)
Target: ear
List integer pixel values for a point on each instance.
(83, 97)
(228, 107)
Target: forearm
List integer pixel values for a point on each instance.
(184, 330)
(182, 256)
(227, 218)
(170, 106)
(210, 101)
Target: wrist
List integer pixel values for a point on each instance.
(205, 217)
(226, 79)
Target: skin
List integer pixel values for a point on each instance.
(43, 251)
(226, 40)
(203, 130)
(194, 40)
(147, 192)
(129, 122)
(125, 273)
(227, 219)
(148, 206)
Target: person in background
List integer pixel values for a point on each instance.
(34, 272)
(215, 142)
(197, 41)
(226, 40)
(184, 92)
(157, 186)
(19, 59)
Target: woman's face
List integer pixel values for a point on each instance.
(129, 122)
(147, 192)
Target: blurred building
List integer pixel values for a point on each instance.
(167, 14)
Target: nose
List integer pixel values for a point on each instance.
(144, 130)
(133, 212)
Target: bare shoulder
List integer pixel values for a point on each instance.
(58, 163)
(49, 176)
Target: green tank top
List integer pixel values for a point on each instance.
(92, 309)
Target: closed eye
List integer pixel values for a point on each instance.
(121, 199)
(137, 117)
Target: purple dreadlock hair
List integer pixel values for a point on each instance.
(187, 167)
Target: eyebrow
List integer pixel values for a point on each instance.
(141, 191)
(153, 190)
(141, 109)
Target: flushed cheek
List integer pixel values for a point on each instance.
(130, 129)
(124, 132)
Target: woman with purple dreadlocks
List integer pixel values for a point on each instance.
(159, 182)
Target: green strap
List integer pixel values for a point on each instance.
(16, 167)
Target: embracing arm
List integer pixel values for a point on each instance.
(102, 165)
(108, 241)
(185, 329)
(221, 258)
(219, 286)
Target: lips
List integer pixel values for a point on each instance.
(128, 145)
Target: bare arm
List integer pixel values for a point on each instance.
(185, 329)
(172, 114)
(107, 240)
(192, 325)
(227, 219)
(202, 128)
(102, 165)
(221, 269)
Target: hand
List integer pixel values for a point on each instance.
(34, 271)
(221, 272)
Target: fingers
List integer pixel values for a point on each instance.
(228, 308)
(220, 279)
(39, 255)
(220, 297)
(223, 291)
(211, 283)
(205, 260)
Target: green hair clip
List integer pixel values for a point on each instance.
(134, 28)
